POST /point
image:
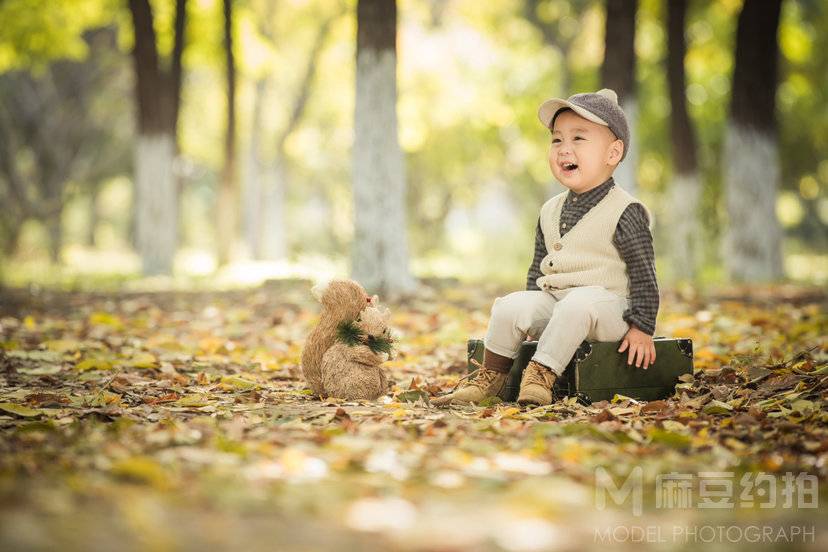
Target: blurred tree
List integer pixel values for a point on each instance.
(157, 93)
(228, 196)
(266, 181)
(56, 128)
(752, 245)
(803, 122)
(685, 190)
(618, 73)
(559, 24)
(255, 202)
(380, 249)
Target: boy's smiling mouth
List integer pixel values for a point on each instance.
(568, 168)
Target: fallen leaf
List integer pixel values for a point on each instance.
(717, 407)
(20, 410)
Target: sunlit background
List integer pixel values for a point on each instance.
(470, 75)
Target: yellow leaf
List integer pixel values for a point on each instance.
(239, 383)
(674, 426)
(192, 400)
(29, 323)
(210, 344)
(717, 407)
(61, 345)
(19, 409)
(93, 364)
(572, 453)
(734, 444)
(619, 398)
(143, 360)
(803, 406)
(102, 398)
(141, 469)
(105, 319)
(509, 412)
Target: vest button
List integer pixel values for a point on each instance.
(563, 225)
(557, 246)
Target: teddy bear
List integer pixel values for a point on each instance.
(351, 368)
(342, 301)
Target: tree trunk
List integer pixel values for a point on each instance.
(686, 235)
(156, 189)
(618, 73)
(176, 70)
(11, 235)
(94, 214)
(54, 229)
(274, 237)
(227, 207)
(253, 175)
(752, 245)
(380, 248)
(157, 193)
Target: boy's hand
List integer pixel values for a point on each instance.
(641, 348)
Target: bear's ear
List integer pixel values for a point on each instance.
(319, 289)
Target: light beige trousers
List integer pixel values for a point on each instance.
(559, 320)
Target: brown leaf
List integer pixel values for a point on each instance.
(343, 418)
(604, 416)
(655, 407)
(780, 382)
(744, 419)
(46, 399)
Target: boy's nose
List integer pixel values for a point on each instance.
(564, 148)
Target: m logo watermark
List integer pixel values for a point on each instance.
(632, 487)
(709, 489)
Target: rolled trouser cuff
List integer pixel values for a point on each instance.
(498, 350)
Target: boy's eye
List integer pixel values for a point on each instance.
(555, 140)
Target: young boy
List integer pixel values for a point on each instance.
(593, 275)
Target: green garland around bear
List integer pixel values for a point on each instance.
(349, 333)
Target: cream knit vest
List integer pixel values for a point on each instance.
(585, 255)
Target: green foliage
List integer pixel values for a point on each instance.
(35, 32)
(349, 333)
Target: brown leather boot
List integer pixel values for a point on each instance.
(488, 381)
(536, 385)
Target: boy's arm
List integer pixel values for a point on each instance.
(540, 252)
(635, 245)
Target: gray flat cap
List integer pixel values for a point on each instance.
(599, 107)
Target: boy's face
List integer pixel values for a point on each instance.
(583, 154)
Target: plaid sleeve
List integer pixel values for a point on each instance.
(540, 252)
(635, 245)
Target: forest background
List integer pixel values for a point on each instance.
(267, 189)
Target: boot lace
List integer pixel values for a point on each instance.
(537, 374)
(482, 377)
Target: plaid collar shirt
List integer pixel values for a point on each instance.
(634, 242)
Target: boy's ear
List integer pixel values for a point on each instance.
(616, 152)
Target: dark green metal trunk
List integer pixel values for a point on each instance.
(598, 371)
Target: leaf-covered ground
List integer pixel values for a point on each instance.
(180, 421)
